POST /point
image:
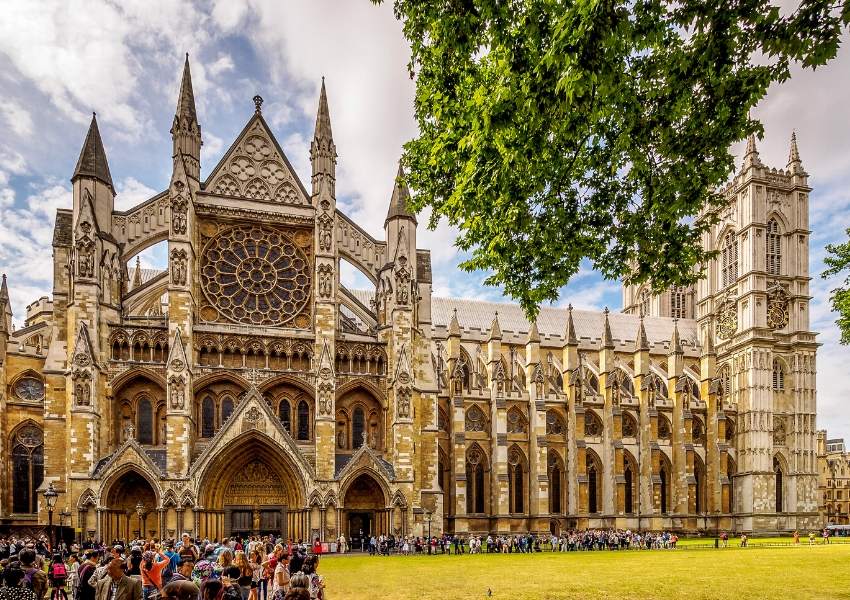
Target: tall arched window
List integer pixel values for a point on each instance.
(629, 504)
(144, 421)
(207, 417)
(699, 485)
(358, 426)
(475, 480)
(226, 409)
(27, 468)
(678, 302)
(729, 260)
(778, 376)
(556, 476)
(774, 251)
(779, 486)
(285, 416)
(664, 489)
(516, 477)
(303, 421)
(592, 485)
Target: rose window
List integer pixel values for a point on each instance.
(29, 389)
(255, 275)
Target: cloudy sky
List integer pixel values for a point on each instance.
(60, 60)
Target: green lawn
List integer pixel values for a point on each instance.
(750, 573)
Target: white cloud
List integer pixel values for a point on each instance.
(17, 117)
(130, 192)
(222, 64)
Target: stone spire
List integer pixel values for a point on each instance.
(137, 274)
(534, 334)
(570, 334)
(641, 342)
(323, 117)
(5, 308)
(675, 342)
(185, 130)
(751, 156)
(707, 347)
(795, 165)
(495, 329)
(454, 326)
(92, 162)
(399, 206)
(607, 338)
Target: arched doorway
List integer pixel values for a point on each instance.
(127, 496)
(366, 512)
(252, 488)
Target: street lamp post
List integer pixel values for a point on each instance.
(428, 518)
(50, 496)
(140, 512)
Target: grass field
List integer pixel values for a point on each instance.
(749, 573)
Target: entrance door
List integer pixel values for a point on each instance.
(273, 522)
(241, 523)
(359, 529)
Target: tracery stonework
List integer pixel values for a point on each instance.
(257, 275)
(244, 373)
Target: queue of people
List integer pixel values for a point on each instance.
(186, 569)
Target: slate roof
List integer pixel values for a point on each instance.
(62, 228)
(92, 161)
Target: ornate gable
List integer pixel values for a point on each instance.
(255, 168)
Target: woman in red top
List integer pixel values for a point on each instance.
(153, 564)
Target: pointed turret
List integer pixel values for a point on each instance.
(454, 326)
(607, 338)
(137, 274)
(399, 202)
(641, 342)
(185, 130)
(534, 334)
(795, 165)
(495, 329)
(92, 162)
(323, 155)
(707, 346)
(675, 341)
(5, 308)
(751, 156)
(572, 339)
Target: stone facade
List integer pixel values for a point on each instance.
(244, 389)
(833, 480)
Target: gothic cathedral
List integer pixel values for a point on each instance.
(245, 390)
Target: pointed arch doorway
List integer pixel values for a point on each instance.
(366, 512)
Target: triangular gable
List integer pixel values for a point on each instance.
(403, 372)
(253, 414)
(177, 353)
(326, 363)
(83, 350)
(129, 453)
(255, 168)
(365, 457)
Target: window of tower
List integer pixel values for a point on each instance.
(678, 302)
(729, 260)
(644, 302)
(774, 251)
(778, 376)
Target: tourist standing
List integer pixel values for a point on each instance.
(117, 584)
(14, 589)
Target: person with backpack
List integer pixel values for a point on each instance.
(34, 578)
(84, 589)
(57, 573)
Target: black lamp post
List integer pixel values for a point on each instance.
(140, 512)
(50, 496)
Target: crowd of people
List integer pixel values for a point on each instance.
(185, 569)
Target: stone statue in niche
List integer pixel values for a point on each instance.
(175, 392)
(179, 258)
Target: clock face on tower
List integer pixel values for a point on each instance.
(29, 389)
(256, 275)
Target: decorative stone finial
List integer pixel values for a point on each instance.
(258, 104)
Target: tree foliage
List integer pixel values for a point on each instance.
(838, 262)
(556, 130)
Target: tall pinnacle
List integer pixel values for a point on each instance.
(642, 342)
(534, 334)
(92, 162)
(572, 339)
(751, 156)
(795, 165)
(607, 338)
(137, 274)
(186, 112)
(454, 326)
(400, 198)
(323, 117)
(495, 328)
(707, 348)
(675, 342)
